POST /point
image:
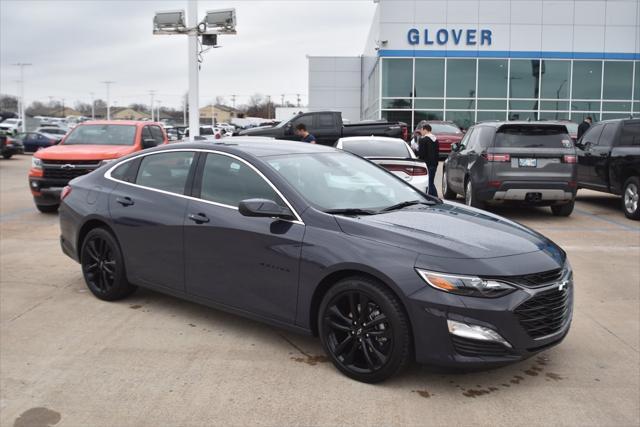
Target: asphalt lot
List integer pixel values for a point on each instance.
(68, 359)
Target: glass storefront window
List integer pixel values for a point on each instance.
(397, 77)
(461, 78)
(618, 80)
(587, 77)
(427, 115)
(554, 105)
(524, 80)
(492, 78)
(461, 104)
(398, 104)
(523, 115)
(430, 78)
(609, 116)
(616, 106)
(463, 119)
(491, 115)
(429, 104)
(636, 96)
(556, 77)
(554, 115)
(398, 116)
(579, 116)
(528, 104)
(585, 105)
(492, 104)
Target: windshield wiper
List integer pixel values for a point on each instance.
(350, 211)
(407, 204)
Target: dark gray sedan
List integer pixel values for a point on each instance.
(321, 242)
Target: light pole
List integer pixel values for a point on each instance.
(93, 106)
(152, 93)
(108, 83)
(158, 103)
(216, 22)
(22, 103)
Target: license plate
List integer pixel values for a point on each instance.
(527, 163)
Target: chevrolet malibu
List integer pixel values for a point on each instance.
(323, 242)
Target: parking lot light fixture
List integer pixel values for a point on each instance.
(108, 83)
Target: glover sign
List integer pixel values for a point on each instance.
(443, 36)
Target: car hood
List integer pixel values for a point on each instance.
(263, 130)
(84, 152)
(449, 231)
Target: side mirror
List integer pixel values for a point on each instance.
(148, 143)
(455, 147)
(264, 208)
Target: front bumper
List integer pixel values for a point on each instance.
(430, 310)
(46, 191)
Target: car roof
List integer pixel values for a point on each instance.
(369, 138)
(500, 123)
(119, 122)
(253, 145)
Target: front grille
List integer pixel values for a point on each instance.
(535, 280)
(67, 174)
(545, 313)
(71, 162)
(477, 348)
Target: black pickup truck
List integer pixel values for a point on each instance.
(327, 127)
(609, 161)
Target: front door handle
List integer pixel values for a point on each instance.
(198, 218)
(125, 201)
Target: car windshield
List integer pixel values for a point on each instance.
(342, 181)
(377, 147)
(533, 136)
(102, 135)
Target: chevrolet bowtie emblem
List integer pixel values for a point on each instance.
(563, 285)
(68, 166)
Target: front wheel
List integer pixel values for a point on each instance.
(630, 198)
(7, 156)
(103, 266)
(447, 193)
(364, 330)
(563, 210)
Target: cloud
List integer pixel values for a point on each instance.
(74, 45)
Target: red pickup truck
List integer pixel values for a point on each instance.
(87, 147)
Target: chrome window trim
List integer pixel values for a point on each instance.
(108, 176)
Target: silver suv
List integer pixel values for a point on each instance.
(530, 163)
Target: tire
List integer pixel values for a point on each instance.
(48, 208)
(470, 198)
(103, 266)
(7, 156)
(447, 193)
(563, 210)
(630, 198)
(387, 342)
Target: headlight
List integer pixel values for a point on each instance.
(36, 163)
(471, 286)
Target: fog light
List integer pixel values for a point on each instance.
(34, 184)
(475, 332)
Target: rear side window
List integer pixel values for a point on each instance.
(377, 148)
(608, 134)
(326, 121)
(165, 171)
(125, 172)
(592, 134)
(533, 136)
(630, 135)
(229, 181)
(306, 120)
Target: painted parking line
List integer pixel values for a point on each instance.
(607, 220)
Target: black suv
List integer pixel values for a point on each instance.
(609, 161)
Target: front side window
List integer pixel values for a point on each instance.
(342, 181)
(165, 171)
(229, 181)
(306, 120)
(157, 135)
(102, 135)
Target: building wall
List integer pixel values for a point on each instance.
(335, 84)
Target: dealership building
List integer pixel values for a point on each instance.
(474, 60)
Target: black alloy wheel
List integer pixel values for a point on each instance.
(103, 267)
(447, 193)
(364, 330)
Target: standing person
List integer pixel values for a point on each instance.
(429, 152)
(584, 126)
(305, 136)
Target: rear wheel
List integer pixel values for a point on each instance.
(48, 208)
(7, 156)
(630, 198)
(447, 193)
(364, 330)
(470, 198)
(563, 210)
(103, 266)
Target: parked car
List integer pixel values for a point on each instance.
(83, 150)
(208, 132)
(320, 241)
(52, 132)
(530, 163)
(327, 127)
(10, 126)
(393, 154)
(34, 141)
(609, 161)
(172, 133)
(447, 133)
(10, 146)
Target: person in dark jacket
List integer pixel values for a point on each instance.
(429, 152)
(584, 126)
(303, 133)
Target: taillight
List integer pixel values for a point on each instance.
(497, 157)
(65, 192)
(409, 170)
(569, 158)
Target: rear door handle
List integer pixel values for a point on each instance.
(198, 218)
(125, 201)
